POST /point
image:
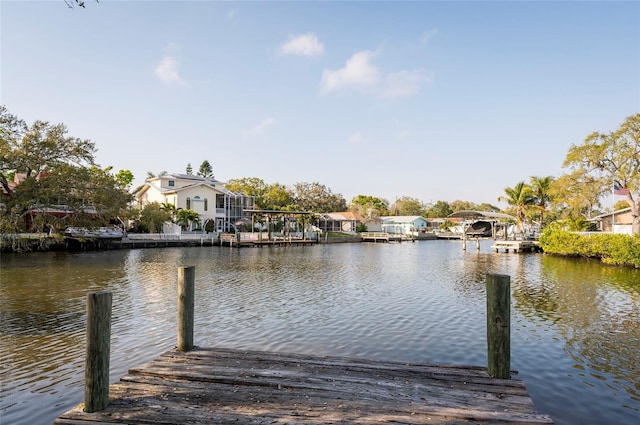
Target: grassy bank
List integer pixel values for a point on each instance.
(621, 250)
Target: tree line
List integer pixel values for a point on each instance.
(42, 167)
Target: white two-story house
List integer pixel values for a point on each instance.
(219, 209)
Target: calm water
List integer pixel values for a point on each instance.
(575, 324)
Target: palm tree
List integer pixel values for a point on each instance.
(520, 197)
(169, 208)
(541, 190)
(186, 217)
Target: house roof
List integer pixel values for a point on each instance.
(197, 181)
(179, 176)
(197, 184)
(601, 216)
(402, 218)
(340, 216)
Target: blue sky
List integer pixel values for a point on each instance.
(432, 100)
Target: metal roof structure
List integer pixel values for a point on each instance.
(481, 214)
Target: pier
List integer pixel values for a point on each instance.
(216, 385)
(247, 239)
(385, 237)
(516, 246)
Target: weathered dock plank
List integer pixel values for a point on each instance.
(207, 386)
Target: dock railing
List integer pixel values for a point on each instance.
(99, 306)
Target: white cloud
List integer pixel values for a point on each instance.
(356, 138)
(231, 14)
(168, 68)
(403, 83)
(358, 73)
(303, 45)
(260, 128)
(429, 35)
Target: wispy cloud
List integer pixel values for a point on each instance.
(260, 128)
(231, 14)
(303, 45)
(403, 134)
(429, 35)
(357, 72)
(403, 83)
(356, 138)
(360, 74)
(168, 67)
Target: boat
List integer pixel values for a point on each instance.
(94, 233)
(480, 229)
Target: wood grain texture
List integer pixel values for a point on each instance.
(211, 386)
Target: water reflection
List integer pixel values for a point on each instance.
(575, 324)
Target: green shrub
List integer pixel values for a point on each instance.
(609, 248)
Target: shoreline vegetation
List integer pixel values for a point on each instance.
(613, 249)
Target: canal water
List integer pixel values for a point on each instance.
(575, 324)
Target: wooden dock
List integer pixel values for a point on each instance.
(216, 386)
(233, 240)
(516, 246)
(384, 237)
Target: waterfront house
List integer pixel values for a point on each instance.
(347, 221)
(219, 209)
(338, 222)
(619, 221)
(404, 224)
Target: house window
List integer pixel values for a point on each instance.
(188, 203)
(172, 183)
(206, 204)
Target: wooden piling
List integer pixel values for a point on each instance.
(96, 390)
(498, 325)
(186, 297)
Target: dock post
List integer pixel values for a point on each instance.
(498, 325)
(186, 297)
(96, 372)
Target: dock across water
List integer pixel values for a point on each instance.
(219, 386)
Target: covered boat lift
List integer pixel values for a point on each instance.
(481, 224)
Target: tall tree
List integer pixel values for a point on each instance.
(152, 217)
(440, 209)
(487, 207)
(406, 205)
(615, 156)
(56, 172)
(205, 170)
(267, 196)
(541, 189)
(189, 169)
(278, 197)
(577, 195)
(124, 178)
(316, 197)
(520, 197)
(459, 205)
(370, 206)
(39, 148)
(250, 186)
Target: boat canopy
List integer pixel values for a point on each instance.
(481, 214)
